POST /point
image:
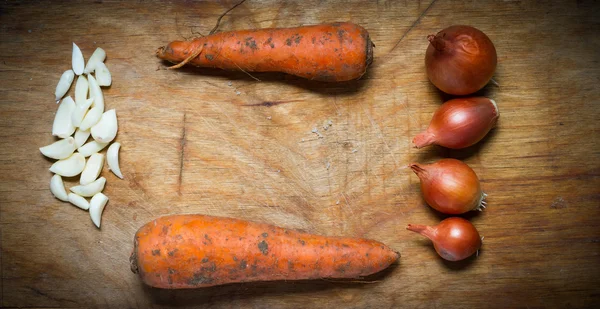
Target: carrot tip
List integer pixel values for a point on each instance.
(370, 46)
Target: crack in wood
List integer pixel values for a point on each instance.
(58, 299)
(412, 26)
(270, 103)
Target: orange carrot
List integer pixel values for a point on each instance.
(192, 251)
(328, 52)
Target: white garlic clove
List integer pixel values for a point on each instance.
(70, 166)
(77, 60)
(106, 129)
(81, 89)
(58, 188)
(91, 188)
(79, 112)
(64, 83)
(112, 158)
(91, 148)
(81, 137)
(79, 201)
(97, 57)
(103, 75)
(96, 92)
(62, 126)
(60, 149)
(97, 204)
(91, 118)
(92, 169)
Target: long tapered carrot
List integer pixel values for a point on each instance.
(328, 52)
(192, 251)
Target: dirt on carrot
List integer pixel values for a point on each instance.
(328, 52)
(192, 251)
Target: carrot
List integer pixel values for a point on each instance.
(328, 52)
(192, 251)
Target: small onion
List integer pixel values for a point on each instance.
(454, 239)
(460, 123)
(460, 60)
(450, 186)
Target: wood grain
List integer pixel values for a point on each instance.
(221, 143)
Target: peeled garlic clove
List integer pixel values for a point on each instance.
(97, 204)
(81, 89)
(77, 60)
(64, 83)
(91, 118)
(91, 148)
(106, 129)
(103, 75)
(112, 158)
(97, 57)
(58, 188)
(91, 188)
(81, 137)
(80, 111)
(96, 92)
(61, 149)
(70, 166)
(79, 201)
(62, 126)
(92, 169)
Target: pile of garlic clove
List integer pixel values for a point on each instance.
(75, 121)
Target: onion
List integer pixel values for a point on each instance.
(460, 60)
(460, 123)
(454, 239)
(450, 186)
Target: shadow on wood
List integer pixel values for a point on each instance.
(487, 91)
(346, 88)
(225, 293)
(441, 216)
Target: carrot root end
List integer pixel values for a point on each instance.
(133, 258)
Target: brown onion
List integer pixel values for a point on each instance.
(460, 123)
(460, 60)
(454, 239)
(450, 186)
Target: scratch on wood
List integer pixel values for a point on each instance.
(270, 103)
(182, 154)
(412, 26)
(380, 135)
(59, 299)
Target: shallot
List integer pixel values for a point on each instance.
(460, 123)
(454, 238)
(460, 60)
(450, 186)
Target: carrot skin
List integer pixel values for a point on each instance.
(193, 251)
(328, 52)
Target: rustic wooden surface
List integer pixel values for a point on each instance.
(212, 142)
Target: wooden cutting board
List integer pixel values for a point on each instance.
(221, 143)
